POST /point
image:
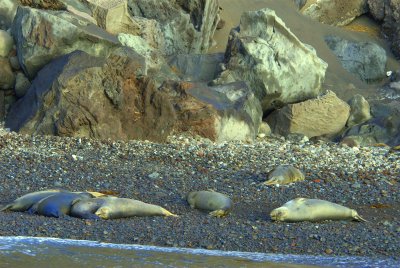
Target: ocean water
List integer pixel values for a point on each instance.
(33, 252)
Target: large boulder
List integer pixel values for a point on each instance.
(42, 35)
(187, 26)
(82, 95)
(221, 113)
(325, 115)
(367, 60)
(335, 12)
(387, 12)
(277, 66)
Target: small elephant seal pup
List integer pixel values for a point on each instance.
(284, 174)
(115, 208)
(219, 204)
(304, 209)
(25, 202)
(59, 204)
(85, 209)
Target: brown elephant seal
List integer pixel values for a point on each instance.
(59, 204)
(304, 209)
(25, 202)
(219, 204)
(115, 208)
(85, 209)
(284, 174)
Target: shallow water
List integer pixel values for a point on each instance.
(21, 252)
(312, 33)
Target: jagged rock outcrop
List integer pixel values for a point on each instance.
(187, 26)
(263, 52)
(365, 59)
(325, 115)
(43, 35)
(335, 12)
(82, 95)
(387, 12)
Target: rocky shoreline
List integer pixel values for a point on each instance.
(366, 179)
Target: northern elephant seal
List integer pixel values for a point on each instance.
(115, 208)
(25, 202)
(219, 204)
(59, 204)
(304, 209)
(86, 208)
(284, 174)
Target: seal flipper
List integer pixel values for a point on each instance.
(6, 207)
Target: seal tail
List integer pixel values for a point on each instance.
(6, 207)
(359, 218)
(167, 213)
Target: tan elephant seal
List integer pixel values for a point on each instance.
(85, 209)
(219, 204)
(284, 174)
(115, 208)
(59, 204)
(304, 209)
(25, 202)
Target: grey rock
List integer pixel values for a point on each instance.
(41, 36)
(335, 12)
(22, 85)
(365, 59)
(264, 53)
(325, 115)
(359, 110)
(14, 63)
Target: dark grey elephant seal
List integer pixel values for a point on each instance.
(219, 204)
(115, 208)
(304, 209)
(25, 202)
(85, 209)
(59, 204)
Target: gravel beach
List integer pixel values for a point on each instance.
(366, 179)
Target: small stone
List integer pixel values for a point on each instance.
(328, 251)
(22, 85)
(154, 175)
